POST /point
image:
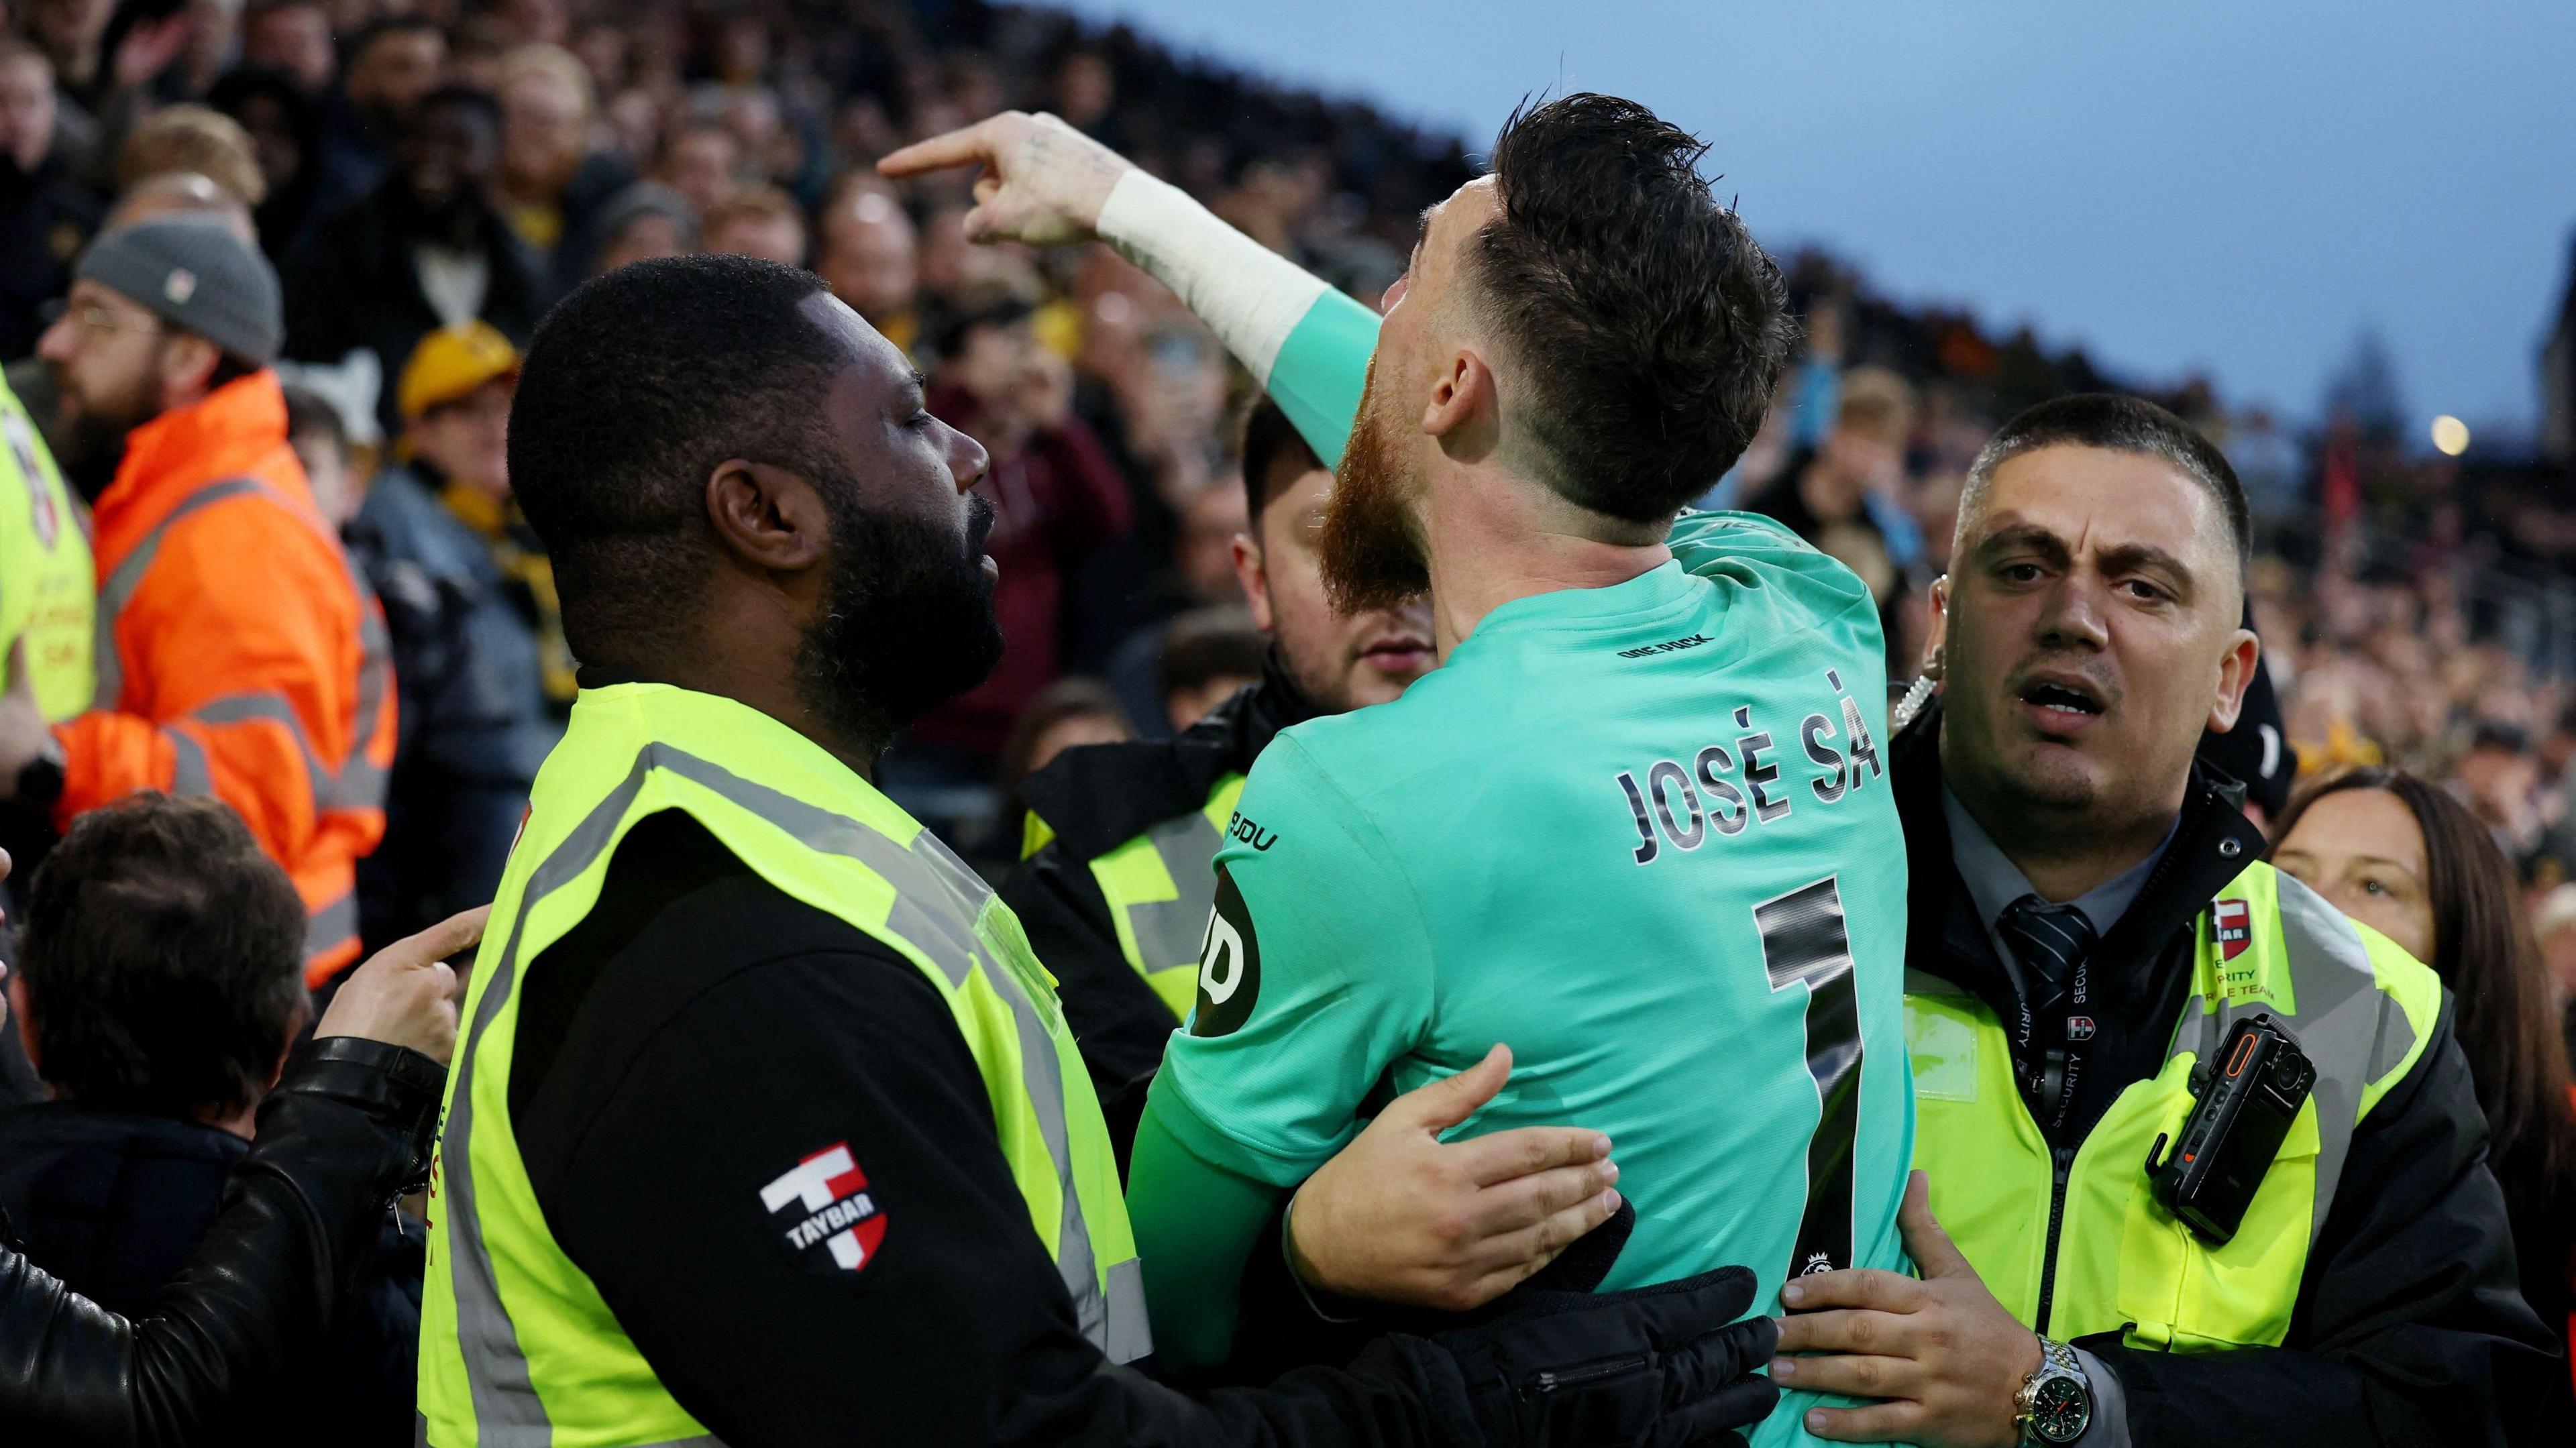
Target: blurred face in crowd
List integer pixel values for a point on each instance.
(295, 39)
(337, 491)
(869, 255)
(1073, 731)
(387, 79)
(1372, 551)
(908, 618)
(273, 142)
(771, 236)
(1339, 661)
(447, 159)
(700, 163)
(545, 132)
(2363, 851)
(2089, 628)
(1212, 523)
(26, 110)
(468, 440)
(646, 235)
(118, 366)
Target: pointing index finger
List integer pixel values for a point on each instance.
(954, 148)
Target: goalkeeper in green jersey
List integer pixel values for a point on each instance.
(1637, 825)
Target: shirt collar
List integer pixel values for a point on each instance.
(1994, 881)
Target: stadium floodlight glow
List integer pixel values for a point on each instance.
(2450, 435)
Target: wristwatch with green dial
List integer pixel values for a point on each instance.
(2055, 1404)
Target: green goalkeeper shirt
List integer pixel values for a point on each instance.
(1643, 834)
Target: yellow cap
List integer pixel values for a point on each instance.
(451, 362)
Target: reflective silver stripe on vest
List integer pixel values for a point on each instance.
(420, 1437)
(189, 772)
(506, 1406)
(332, 924)
(507, 1411)
(923, 875)
(1169, 932)
(2344, 1023)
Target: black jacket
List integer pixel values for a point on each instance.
(469, 645)
(245, 1326)
(2409, 1328)
(116, 1204)
(1097, 798)
(353, 284)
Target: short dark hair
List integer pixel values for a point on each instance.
(2115, 423)
(457, 95)
(308, 413)
(635, 387)
(1647, 326)
(382, 26)
(1272, 447)
(1207, 644)
(163, 959)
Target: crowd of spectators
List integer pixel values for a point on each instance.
(428, 176)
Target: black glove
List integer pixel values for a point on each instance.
(1658, 1367)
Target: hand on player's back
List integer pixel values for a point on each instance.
(1401, 1216)
(1942, 1353)
(1043, 182)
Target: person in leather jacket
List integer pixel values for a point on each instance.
(347, 1129)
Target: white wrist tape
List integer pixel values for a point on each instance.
(1249, 295)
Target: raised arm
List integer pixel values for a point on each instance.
(1046, 184)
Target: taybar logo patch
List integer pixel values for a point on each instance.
(832, 1207)
(2232, 921)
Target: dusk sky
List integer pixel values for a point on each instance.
(2239, 188)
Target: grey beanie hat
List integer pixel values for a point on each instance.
(199, 277)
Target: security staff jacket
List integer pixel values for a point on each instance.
(2408, 1326)
(765, 1151)
(1147, 816)
(237, 654)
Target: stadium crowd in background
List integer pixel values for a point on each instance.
(424, 179)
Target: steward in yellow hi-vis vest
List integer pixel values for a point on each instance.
(1118, 876)
(517, 1343)
(48, 584)
(2375, 1245)
(765, 1126)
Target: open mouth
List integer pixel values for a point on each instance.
(2063, 707)
(2061, 698)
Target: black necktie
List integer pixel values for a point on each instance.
(2048, 940)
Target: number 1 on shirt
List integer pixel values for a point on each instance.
(1803, 940)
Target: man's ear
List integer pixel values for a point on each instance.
(1465, 410)
(769, 517)
(2235, 676)
(1252, 572)
(1939, 632)
(188, 365)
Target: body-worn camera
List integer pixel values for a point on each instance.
(2245, 1109)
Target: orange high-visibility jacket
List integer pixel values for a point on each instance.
(238, 654)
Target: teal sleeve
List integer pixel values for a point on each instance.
(1317, 978)
(1321, 370)
(1196, 1225)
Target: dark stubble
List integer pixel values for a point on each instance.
(909, 623)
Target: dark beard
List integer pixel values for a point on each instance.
(1368, 551)
(908, 625)
(91, 450)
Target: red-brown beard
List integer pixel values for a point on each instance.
(1368, 552)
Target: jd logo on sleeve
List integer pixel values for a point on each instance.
(1229, 964)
